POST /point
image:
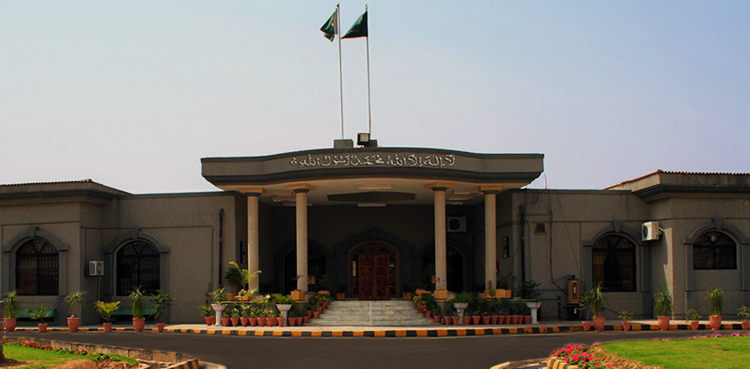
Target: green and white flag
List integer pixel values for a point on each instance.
(359, 28)
(329, 29)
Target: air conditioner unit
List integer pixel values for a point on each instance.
(96, 268)
(456, 224)
(650, 231)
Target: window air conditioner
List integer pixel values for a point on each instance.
(650, 231)
(96, 268)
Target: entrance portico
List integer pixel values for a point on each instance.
(386, 189)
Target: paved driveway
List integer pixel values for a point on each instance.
(390, 353)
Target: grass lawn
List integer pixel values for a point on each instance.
(699, 353)
(36, 358)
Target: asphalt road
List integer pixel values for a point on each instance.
(391, 353)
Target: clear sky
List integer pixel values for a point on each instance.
(133, 93)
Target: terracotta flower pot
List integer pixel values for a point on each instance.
(476, 319)
(226, 322)
(456, 319)
(209, 319)
(626, 326)
(694, 325)
(316, 314)
(244, 321)
(526, 319)
(436, 318)
(281, 321)
(261, 322)
(235, 321)
(305, 320)
(160, 327)
(715, 322)
(494, 319)
(663, 323)
(448, 320)
(270, 322)
(745, 325)
(138, 324)
(300, 321)
(74, 324)
(10, 324)
(467, 320)
(586, 326)
(486, 319)
(107, 327)
(42, 327)
(599, 323)
(252, 321)
(231, 296)
(428, 314)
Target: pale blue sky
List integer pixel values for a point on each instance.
(133, 93)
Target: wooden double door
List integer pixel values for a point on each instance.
(374, 277)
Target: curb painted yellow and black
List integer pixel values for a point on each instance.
(555, 363)
(396, 333)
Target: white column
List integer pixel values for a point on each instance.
(441, 274)
(490, 239)
(300, 197)
(253, 243)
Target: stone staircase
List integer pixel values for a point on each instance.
(389, 313)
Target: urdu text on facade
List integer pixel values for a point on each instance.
(355, 160)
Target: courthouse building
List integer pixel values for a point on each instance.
(375, 221)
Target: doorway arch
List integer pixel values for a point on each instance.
(373, 271)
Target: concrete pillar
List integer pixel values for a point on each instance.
(490, 239)
(300, 198)
(441, 274)
(253, 242)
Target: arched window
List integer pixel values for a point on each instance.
(137, 265)
(37, 268)
(614, 263)
(714, 250)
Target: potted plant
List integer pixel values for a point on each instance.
(238, 278)
(693, 317)
(74, 301)
(105, 310)
(530, 296)
(594, 300)
(11, 311)
(207, 312)
(626, 317)
(161, 301)
(744, 313)
(716, 302)
(39, 314)
(136, 299)
(663, 307)
(217, 297)
(461, 301)
(283, 303)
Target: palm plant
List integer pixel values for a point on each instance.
(12, 307)
(38, 314)
(136, 297)
(594, 300)
(160, 301)
(106, 309)
(74, 301)
(715, 300)
(663, 302)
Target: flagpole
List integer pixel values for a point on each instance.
(369, 110)
(341, 83)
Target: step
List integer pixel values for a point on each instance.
(397, 313)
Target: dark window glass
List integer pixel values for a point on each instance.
(614, 264)
(714, 250)
(37, 268)
(137, 266)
